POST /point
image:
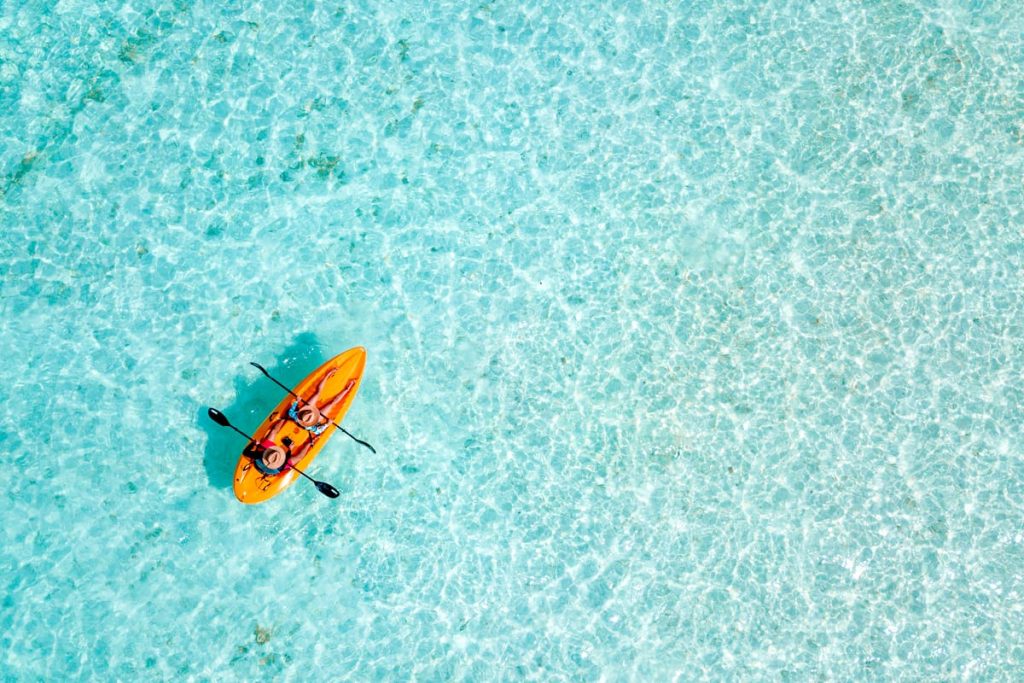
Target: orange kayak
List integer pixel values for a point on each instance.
(253, 486)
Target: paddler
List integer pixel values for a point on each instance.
(271, 459)
(310, 415)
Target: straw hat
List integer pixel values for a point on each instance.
(308, 415)
(274, 458)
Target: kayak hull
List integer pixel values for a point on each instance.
(252, 486)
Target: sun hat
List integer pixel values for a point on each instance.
(308, 416)
(274, 458)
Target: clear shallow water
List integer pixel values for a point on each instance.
(694, 335)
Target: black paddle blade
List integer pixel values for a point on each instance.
(326, 489)
(218, 417)
(260, 368)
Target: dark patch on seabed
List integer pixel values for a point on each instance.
(255, 397)
(97, 85)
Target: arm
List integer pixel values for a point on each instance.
(296, 458)
(275, 428)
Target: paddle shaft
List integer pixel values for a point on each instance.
(252, 440)
(305, 402)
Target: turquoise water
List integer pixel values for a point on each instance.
(694, 334)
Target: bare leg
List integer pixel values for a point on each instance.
(327, 409)
(320, 387)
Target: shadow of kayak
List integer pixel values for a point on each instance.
(255, 397)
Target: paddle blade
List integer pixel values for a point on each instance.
(260, 368)
(218, 417)
(326, 489)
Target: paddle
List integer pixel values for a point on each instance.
(298, 398)
(321, 486)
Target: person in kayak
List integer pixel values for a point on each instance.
(311, 416)
(271, 459)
